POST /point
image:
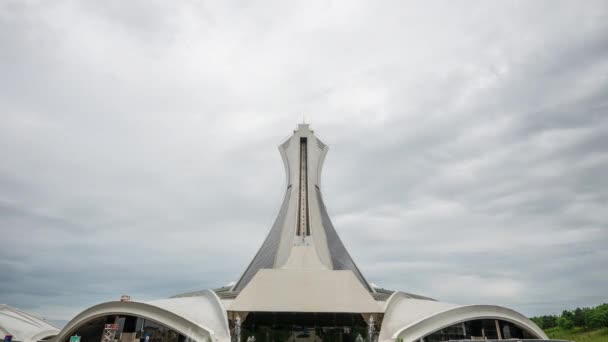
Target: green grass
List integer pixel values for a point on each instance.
(578, 334)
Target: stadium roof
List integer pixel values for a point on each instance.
(24, 327)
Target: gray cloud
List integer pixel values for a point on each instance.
(468, 145)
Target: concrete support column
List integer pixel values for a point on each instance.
(498, 329)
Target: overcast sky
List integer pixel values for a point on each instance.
(468, 145)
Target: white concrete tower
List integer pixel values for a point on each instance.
(302, 235)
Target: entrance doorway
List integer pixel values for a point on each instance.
(303, 327)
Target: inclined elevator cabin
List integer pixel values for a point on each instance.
(303, 229)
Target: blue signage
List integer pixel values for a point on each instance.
(8, 338)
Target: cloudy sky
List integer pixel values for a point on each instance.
(468, 145)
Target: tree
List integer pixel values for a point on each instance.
(578, 318)
(564, 322)
(545, 322)
(597, 317)
(549, 321)
(590, 318)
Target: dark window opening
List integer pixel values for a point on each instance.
(479, 329)
(130, 328)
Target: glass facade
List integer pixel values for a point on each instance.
(479, 329)
(130, 329)
(288, 326)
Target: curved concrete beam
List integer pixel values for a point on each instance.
(449, 317)
(205, 309)
(147, 311)
(412, 319)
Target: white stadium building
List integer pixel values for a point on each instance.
(302, 285)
